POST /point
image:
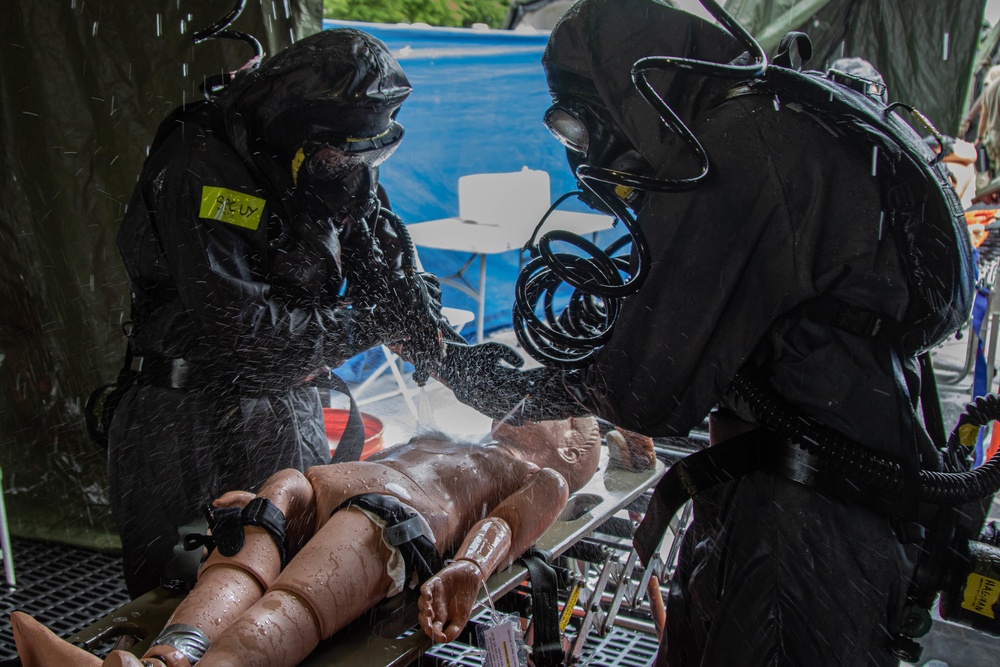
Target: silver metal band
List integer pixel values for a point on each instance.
(187, 639)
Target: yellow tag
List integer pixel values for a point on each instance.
(968, 434)
(297, 161)
(981, 593)
(623, 191)
(568, 609)
(236, 208)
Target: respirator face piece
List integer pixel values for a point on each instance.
(342, 169)
(568, 128)
(592, 138)
(329, 156)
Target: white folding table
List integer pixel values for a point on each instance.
(480, 240)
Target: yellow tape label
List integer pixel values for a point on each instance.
(981, 593)
(568, 609)
(968, 434)
(235, 208)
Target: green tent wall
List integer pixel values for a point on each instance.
(924, 48)
(83, 86)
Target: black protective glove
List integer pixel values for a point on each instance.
(307, 263)
(487, 377)
(400, 307)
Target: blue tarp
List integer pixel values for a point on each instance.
(476, 107)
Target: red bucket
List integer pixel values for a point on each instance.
(335, 420)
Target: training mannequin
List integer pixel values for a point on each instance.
(491, 502)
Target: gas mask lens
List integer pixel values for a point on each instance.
(330, 163)
(567, 127)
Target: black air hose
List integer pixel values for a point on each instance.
(874, 473)
(979, 483)
(219, 30)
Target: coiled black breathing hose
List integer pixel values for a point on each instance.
(599, 278)
(870, 471)
(568, 339)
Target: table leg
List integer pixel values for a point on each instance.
(481, 311)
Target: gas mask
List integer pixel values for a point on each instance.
(340, 173)
(591, 138)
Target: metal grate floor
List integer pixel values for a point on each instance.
(621, 648)
(64, 587)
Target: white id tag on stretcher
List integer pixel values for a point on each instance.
(503, 643)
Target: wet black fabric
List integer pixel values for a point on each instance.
(256, 284)
(791, 209)
(764, 579)
(174, 450)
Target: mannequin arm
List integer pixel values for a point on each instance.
(447, 598)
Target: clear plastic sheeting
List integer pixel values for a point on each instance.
(83, 87)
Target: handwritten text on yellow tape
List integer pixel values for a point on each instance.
(235, 208)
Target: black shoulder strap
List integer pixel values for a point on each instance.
(794, 50)
(827, 309)
(352, 442)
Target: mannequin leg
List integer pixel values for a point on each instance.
(338, 576)
(37, 646)
(228, 586)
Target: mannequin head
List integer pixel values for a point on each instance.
(571, 447)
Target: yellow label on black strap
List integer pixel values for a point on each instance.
(235, 208)
(568, 609)
(981, 594)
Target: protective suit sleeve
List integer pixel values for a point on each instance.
(226, 311)
(487, 377)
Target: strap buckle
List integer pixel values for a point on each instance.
(404, 531)
(858, 320)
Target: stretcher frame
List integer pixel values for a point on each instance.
(379, 639)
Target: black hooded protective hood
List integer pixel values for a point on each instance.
(343, 79)
(590, 56)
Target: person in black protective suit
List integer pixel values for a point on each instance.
(787, 218)
(261, 251)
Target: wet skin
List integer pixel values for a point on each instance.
(490, 501)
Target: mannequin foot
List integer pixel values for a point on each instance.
(126, 659)
(37, 646)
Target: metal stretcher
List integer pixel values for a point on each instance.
(382, 637)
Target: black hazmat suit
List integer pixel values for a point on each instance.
(771, 572)
(252, 269)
